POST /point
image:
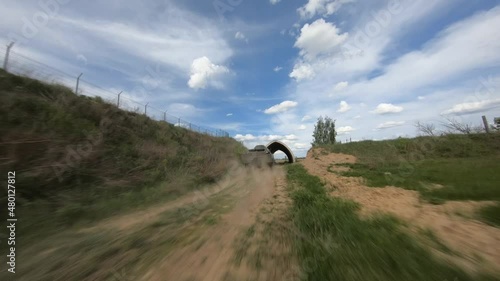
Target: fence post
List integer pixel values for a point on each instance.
(7, 53)
(486, 126)
(165, 115)
(179, 122)
(146, 109)
(78, 83)
(118, 102)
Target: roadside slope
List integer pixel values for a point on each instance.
(449, 228)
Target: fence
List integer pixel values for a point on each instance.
(19, 64)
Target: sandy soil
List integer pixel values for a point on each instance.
(214, 255)
(267, 253)
(477, 244)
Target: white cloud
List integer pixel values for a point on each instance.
(299, 145)
(81, 58)
(320, 7)
(282, 107)
(306, 118)
(357, 117)
(345, 130)
(390, 124)
(385, 108)
(274, 2)
(229, 114)
(319, 38)
(302, 71)
(341, 86)
(184, 110)
(146, 54)
(203, 71)
(176, 42)
(456, 47)
(266, 138)
(247, 137)
(240, 36)
(302, 127)
(473, 107)
(344, 107)
(277, 68)
(421, 98)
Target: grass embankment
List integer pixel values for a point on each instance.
(334, 243)
(79, 159)
(449, 167)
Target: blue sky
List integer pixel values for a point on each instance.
(267, 69)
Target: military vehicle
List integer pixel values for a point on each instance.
(259, 157)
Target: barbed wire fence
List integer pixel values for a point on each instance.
(19, 64)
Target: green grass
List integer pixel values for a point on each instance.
(491, 214)
(334, 243)
(462, 178)
(465, 165)
(250, 231)
(211, 219)
(437, 243)
(446, 146)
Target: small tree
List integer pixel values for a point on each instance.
(324, 131)
(455, 126)
(427, 129)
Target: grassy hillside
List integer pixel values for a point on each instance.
(81, 159)
(449, 167)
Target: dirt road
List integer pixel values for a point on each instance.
(233, 247)
(225, 231)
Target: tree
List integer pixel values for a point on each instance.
(455, 126)
(324, 131)
(427, 129)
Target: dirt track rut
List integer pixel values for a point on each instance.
(227, 249)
